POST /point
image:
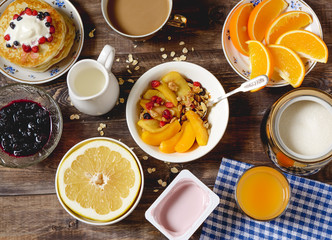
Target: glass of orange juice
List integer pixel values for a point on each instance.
(262, 193)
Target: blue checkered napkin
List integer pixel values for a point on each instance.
(309, 214)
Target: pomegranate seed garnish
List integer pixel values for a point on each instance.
(26, 48)
(167, 114)
(42, 40)
(149, 105)
(196, 84)
(154, 99)
(34, 13)
(15, 16)
(48, 19)
(155, 83)
(169, 105)
(35, 49)
(28, 11)
(21, 13)
(157, 99)
(52, 29)
(7, 37)
(162, 123)
(50, 39)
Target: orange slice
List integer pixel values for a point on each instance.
(306, 44)
(261, 61)
(262, 16)
(238, 28)
(288, 64)
(292, 20)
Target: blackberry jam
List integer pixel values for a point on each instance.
(25, 127)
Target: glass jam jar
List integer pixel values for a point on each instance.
(297, 131)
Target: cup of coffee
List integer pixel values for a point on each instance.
(139, 19)
(92, 87)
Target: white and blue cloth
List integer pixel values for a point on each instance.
(308, 216)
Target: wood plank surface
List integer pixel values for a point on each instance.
(29, 208)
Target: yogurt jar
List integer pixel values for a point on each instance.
(182, 207)
(297, 131)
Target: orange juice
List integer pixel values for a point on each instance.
(262, 193)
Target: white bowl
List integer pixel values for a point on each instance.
(217, 116)
(241, 63)
(89, 221)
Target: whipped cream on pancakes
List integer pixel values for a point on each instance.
(29, 29)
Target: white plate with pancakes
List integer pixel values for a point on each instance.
(25, 75)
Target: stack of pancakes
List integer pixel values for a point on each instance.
(49, 53)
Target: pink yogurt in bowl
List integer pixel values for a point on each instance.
(182, 207)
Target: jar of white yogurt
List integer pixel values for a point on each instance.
(297, 131)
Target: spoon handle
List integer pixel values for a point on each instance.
(252, 84)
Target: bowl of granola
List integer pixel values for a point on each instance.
(167, 113)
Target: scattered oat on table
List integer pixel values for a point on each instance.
(121, 100)
(134, 62)
(185, 50)
(118, 59)
(174, 170)
(74, 116)
(160, 181)
(100, 129)
(136, 68)
(162, 49)
(169, 38)
(181, 43)
(130, 80)
(164, 56)
(155, 190)
(91, 34)
(145, 157)
(192, 49)
(128, 70)
(164, 184)
(151, 170)
(135, 46)
(121, 81)
(130, 58)
(172, 54)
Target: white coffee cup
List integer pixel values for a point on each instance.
(93, 88)
(175, 20)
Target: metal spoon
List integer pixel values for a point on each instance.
(252, 84)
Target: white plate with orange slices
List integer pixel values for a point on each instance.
(250, 16)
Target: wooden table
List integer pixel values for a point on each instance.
(29, 208)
